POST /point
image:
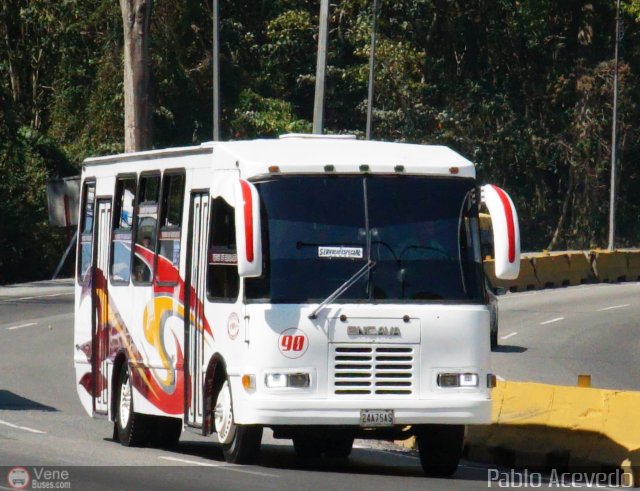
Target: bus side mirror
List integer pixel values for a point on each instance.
(506, 232)
(248, 236)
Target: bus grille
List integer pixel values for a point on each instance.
(374, 370)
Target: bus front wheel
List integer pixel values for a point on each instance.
(132, 428)
(440, 448)
(240, 443)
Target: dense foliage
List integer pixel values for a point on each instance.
(523, 88)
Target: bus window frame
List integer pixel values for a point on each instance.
(141, 176)
(169, 172)
(239, 293)
(85, 184)
(114, 218)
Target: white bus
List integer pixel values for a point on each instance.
(324, 287)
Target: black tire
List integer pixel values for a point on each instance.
(440, 448)
(133, 429)
(240, 443)
(167, 432)
(245, 446)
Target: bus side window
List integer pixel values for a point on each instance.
(223, 281)
(146, 221)
(86, 231)
(121, 234)
(170, 228)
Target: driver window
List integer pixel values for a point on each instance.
(223, 281)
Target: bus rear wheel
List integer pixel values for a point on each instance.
(240, 443)
(440, 448)
(167, 432)
(132, 429)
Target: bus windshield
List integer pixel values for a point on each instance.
(318, 231)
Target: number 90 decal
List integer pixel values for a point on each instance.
(293, 343)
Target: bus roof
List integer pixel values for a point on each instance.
(302, 153)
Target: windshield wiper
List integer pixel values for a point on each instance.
(343, 288)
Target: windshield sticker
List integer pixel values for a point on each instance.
(222, 255)
(331, 252)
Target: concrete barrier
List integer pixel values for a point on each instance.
(555, 269)
(633, 265)
(539, 426)
(609, 266)
(527, 280)
(580, 270)
(552, 270)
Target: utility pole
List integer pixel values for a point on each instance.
(614, 135)
(216, 71)
(372, 62)
(318, 104)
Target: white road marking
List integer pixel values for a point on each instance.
(228, 467)
(20, 326)
(501, 379)
(11, 425)
(37, 296)
(551, 321)
(613, 307)
(509, 335)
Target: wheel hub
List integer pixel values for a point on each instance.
(125, 402)
(223, 415)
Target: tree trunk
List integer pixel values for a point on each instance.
(10, 16)
(136, 15)
(563, 214)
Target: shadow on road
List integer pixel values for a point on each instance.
(503, 348)
(13, 402)
(361, 462)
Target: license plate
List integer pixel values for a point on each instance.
(376, 417)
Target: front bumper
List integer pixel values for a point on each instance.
(282, 411)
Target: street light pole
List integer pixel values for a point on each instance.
(216, 71)
(614, 134)
(318, 104)
(372, 62)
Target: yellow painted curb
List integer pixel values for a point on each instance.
(549, 425)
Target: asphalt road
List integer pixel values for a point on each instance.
(43, 425)
(552, 336)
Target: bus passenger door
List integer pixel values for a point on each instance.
(194, 305)
(100, 295)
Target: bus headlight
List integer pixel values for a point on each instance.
(458, 380)
(282, 380)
